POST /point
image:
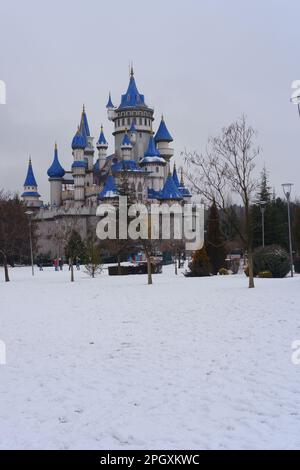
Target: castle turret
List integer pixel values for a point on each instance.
(89, 147)
(133, 133)
(110, 108)
(170, 192)
(162, 139)
(102, 147)
(79, 166)
(56, 174)
(126, 147)
(110, 190)
(184, 191)
(154, 164)
(132, 111)
(30, 196)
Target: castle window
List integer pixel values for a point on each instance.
(134, 120)
(123, 122)
(140, 121)
(128, 121)
(157, 169)
(140, 135)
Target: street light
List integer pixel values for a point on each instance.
(287, 189)
(29, 213)
(262, 210)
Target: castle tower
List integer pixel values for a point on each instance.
(126, 147)
(132, 110)
(184, 191)
(56, 174)
(154, 164)
(102, 147)
(110, 108)
(162, 139)
(89, 149)
(79, 166)
(30, 196)
(170, 192)
(110, 192)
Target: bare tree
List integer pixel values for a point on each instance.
(14, 230)
(228, 166)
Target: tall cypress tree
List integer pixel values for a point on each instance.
(215, 242)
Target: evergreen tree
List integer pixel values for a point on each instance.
(75, 249)
(200, 265)
(215, 241)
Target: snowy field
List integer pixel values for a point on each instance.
(112, 363)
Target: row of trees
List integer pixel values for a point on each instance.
(226, 170)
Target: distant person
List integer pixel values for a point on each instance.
(55, 262)
(60, 262)
(78, 264)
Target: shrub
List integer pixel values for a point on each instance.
(200, 265)
(297, 265)
(265, 274)
(223, 272)
(271, 258)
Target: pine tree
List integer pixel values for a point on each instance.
(215, 242)
(200, 265)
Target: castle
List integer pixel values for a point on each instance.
(139, 153)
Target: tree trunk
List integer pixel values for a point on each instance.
(175, 263)
(72, 269)
(249, 244)
(6, 276)
(149, 270)
(250, 267)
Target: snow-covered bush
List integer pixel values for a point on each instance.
(223, 272)
(271, 258)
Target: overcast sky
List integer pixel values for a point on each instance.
(202, 63)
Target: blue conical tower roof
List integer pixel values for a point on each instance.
(102, 140)
(152, 150)
(184, 191)
(170, 190)
(175, 177)
(110, 189)
(79, 141)
(56, 170)
(162, 134)
(109, 103)
(132, 97)
(84, 126)
(126, 140)
(30, 179)
(132, 127)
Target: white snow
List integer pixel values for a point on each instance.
(114, 363)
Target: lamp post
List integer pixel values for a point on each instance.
(262, 210)
(29, 213)
(287, 188)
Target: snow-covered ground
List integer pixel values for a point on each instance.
(114, 363)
